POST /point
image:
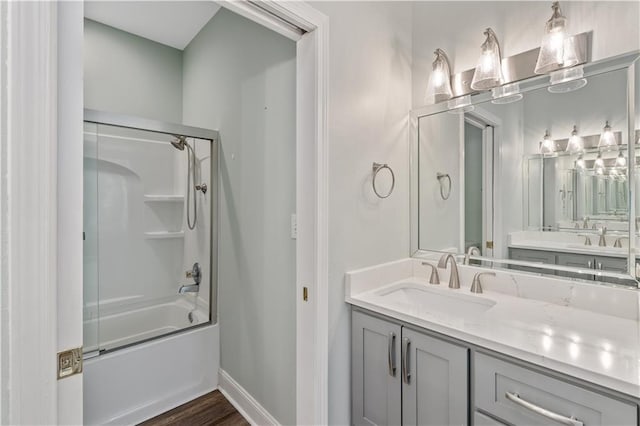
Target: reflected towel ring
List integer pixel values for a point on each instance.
(441, 177)
(376, 168)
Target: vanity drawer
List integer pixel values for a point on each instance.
(521, 396)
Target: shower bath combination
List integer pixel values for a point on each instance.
(180, 143)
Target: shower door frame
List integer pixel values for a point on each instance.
(50, 62)
(174, 129)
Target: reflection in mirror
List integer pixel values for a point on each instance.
(541, 181)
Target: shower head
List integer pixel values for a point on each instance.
(179, 142)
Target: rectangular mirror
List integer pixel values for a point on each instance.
(540, 184)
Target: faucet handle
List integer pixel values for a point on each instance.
(434, 278)
(476, 286)
(618, 242)
(587, 239)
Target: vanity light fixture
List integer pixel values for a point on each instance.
(607, 138)
(557, 50)
(575, 142)
(599, 163)
(488, 73)
(547, 145)
(506, 94)
(580, 162)
(439, 86)
(460, 104)
(567, 80)
(621, 161)
(600, 171)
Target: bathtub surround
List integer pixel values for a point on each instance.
(240, 78)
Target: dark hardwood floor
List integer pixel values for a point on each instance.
(210, 409)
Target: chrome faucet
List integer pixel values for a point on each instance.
(472, 251)
(585, 222)
(196, 274)
(603, 241)
(454, 279)
(434, 278)
(191, 288)
(476, 286)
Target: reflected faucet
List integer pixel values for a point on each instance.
(454, 279)
(472, 251)
(196, 274)
(602, 242)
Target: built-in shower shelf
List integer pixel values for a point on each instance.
(163, 198)
(163, 235)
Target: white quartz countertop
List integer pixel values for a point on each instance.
(587, 331)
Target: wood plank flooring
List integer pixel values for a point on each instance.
(210, 409)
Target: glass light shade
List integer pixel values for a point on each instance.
(567, 80)
(621, 161)
(607, 138)
(547, 145)
(580, 162)
(600, 171)
(599, 163)
(575, 143)
(557, 50)
(488, 73)
(506, 94)
(460, 104)
(439, 86)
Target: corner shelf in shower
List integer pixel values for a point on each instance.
(163, 235)
(148, 198)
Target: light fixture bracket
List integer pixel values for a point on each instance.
(521, 66)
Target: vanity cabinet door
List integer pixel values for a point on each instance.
(434, 381)
(576, 261)
(612, 264)
(375, 371)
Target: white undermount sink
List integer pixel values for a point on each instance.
(434, 300)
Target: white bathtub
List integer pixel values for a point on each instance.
(122, 323)
(132, 384)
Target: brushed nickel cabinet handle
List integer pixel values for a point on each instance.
(406, 374)
(391, 354)
(559, 418)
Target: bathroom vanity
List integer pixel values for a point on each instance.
(525, 351)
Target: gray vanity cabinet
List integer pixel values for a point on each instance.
(434, 381)
(375, 370)
(401, 376)
(575, 261)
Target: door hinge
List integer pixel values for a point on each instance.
(69, 362)
(489, 244)
(305, 294)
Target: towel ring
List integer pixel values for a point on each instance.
(376, 169)
(441, 177)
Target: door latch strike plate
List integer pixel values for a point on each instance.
(69, 363)
(305, 294)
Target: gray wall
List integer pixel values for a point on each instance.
(239, 78)
(128, 74)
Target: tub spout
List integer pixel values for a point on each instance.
(193, 288)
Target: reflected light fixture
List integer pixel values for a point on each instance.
(580, 162)
(556, 50)
(506, 94)
(439, 86)
(599, 163)
(460, 104)
(621, 161)
(575, 142)
(488, 73)
(607, 138)
(567, 80)
(547, 145)
(600, 171)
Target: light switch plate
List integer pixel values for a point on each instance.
(69, 363)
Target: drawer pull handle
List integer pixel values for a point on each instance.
(569, 421)
(406, 375)
(391, 354)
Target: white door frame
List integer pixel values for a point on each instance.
(41, 309)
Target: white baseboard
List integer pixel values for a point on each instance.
(246, 405)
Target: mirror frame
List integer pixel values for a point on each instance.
(628, 61)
